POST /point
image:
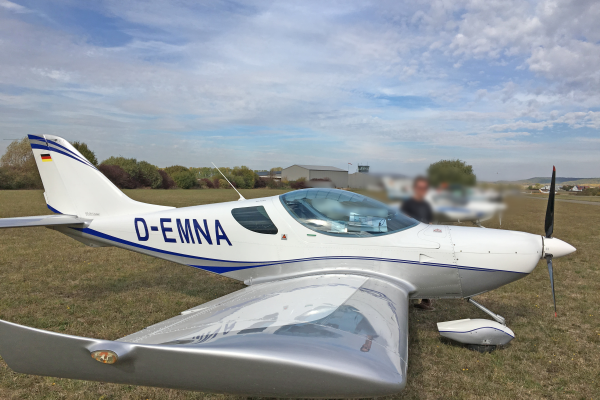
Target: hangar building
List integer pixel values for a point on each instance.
(338, 176)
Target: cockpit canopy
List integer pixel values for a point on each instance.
(341, 213)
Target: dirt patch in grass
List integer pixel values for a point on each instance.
(52, 282)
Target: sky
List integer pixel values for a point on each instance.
(510, 87)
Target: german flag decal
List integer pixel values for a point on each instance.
(46, 157)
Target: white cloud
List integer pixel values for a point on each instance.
(386, 76)
(12, 6)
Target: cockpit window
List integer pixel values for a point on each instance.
(341, 213)
(255, 219)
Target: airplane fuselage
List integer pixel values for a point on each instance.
(434, 261)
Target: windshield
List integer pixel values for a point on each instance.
(341, 213)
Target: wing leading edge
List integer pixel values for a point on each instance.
(318, 336)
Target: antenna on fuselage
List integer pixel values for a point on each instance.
(241, 197)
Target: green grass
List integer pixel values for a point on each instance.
(50, 281)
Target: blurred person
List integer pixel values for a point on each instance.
(416, 207)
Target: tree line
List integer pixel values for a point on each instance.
(18, 170)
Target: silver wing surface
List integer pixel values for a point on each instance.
(40, 220)
(315, 336)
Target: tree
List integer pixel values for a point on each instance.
(142, 173)
(149, 175)
(167, 181)
(185, 179)
(118, 176)
(206, 172)
(86, 152)
(248, 177)
(19, 170)
(129, 165)
(451, 172)
(567, 187)
(176, 168)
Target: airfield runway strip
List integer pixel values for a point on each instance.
(593, 203)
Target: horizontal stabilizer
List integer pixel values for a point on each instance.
(40, 220)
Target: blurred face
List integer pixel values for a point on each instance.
(420, 189)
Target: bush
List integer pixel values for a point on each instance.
(275, 184)
(86, 152)
(184, 179)
(167, 181)
(299, 184)
(260, 183)
(594, 191)
(149, 175)
(129, 165)
(223, 184)
(118, 176)
(142, 173)
(207, 182)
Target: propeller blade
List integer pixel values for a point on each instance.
(551, 272)
(549, 225)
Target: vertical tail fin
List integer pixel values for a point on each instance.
(74, 186)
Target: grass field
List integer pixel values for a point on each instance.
(569, 197)
(52, 282)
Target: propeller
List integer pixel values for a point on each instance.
(549, 228)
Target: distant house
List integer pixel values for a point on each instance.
(267, 175)
(579, 188)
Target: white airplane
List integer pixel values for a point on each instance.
(330, 274)
(477, 206)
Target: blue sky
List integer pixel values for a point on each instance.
(510, 87)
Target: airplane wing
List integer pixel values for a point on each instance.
(40, 220)
(314, 336)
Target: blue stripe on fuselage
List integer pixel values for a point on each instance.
(258, 264)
